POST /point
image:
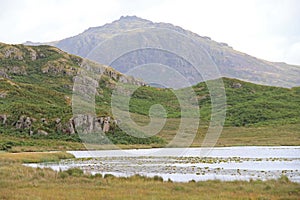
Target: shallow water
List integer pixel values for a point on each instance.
(182, 165)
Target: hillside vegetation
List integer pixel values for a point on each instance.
(36, 84)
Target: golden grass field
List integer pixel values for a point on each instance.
(20, 182)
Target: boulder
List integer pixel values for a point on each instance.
(57, 120)
(42, 132)
(12, 52)
(70, 127)
(3, 94)
(3, 118)
(85, 124)
(237, 85)
(4, 74)
(106, 126)
(24, 122)
(58, 125)
(44, 121)
(98, 124)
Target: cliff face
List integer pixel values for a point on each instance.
(231, 63)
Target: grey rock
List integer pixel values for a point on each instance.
(106, 125)
(24, 122)
(57, 120)
(237, 85)
(44, 121)
(3, 118)
(16, 70)
(3, 94)
(86, 124)
(12, 52)
(33, 54)
(4, 74)
(70, 127)
(42, 132)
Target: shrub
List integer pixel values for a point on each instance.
(74, 172)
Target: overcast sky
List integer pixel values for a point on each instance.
(268, 29)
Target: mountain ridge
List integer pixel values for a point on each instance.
(231, 63)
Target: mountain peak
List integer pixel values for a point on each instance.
(123, 22)
(128, 17)
(132, 18)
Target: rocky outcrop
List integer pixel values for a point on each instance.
(131, 80)
(86, 124)
(106, 125)
(12, 52)
(236, 85)
(3, 119)
(91, 70)
(24, 122)
(59, 67)
(69, 127)
(4, 74)
(58, 125)
(44, 120)
(83, 124)
(14, 70)
(33, 54)
(42, 132)
(3, 94)
(66, 128)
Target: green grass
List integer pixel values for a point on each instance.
(231, 136)
(249, 105)
(23, 143)
(33, 157)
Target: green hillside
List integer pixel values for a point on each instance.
(36, 84)
(248, 104)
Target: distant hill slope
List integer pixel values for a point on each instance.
(231, 63)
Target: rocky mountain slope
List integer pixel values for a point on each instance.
(230, 62)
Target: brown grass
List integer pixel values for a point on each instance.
(19, 182)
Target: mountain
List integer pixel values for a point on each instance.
(101, 44)
(38, 92)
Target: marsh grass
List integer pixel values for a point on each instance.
(33, 157)
(20, 182)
